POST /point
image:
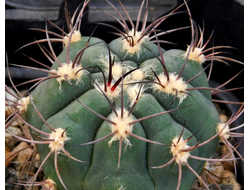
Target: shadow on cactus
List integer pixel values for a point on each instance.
(124, 115)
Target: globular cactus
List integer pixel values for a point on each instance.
(124, 115)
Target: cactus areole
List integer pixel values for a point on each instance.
(125, 115)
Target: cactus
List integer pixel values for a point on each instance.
(124, 115)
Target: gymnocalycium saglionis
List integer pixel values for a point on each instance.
(123, 115)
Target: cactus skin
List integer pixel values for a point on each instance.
(80, 128)
(60, 110)
(129, 162)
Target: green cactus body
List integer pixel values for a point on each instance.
(162, 129)
(79, 129)
(132, 173)
(49, 107)
(174, 60)
(61, 108)
(124, 115)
